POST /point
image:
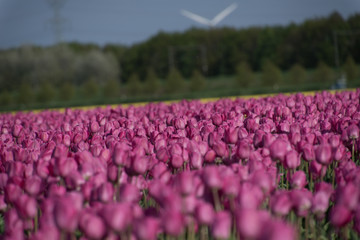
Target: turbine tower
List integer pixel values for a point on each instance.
(213, 22)
(57, 21)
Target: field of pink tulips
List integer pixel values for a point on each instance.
(277, 168)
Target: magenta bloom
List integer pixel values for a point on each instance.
(66, 214)
(249, 223)
(323, 154)
(173, 222)
(211, 177)
(146, 228)
(278, 149)
(280, 203)
(117, 216)
(221, 225)
(292, 159)
(298, 180)
(243, 150)
(353, 131)
(204, 213)
(340, 216)
(92, 225)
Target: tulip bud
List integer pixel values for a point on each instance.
(94, 127)
(211, 177)
(216, 119)
(33, 185)
(105, 192)
(210, 156)
(196, 160)
(66, 215)
(231, 135)
(16, 130)
(204, 213)
(176, 161)
(308, 152)
(220, 148)
(129, 193)
(320, 203)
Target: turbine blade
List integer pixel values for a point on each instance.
(223, 14)
(196, 17)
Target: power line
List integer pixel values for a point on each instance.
(57, 21)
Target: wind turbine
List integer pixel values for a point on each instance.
(213, 22)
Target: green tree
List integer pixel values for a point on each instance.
(351, 69)
(152, 83)
(46, 92)
(66, 91)
(134, 85)
(271, 74)
(197, 81)
(323, 74)
(90, 88)
(297, 74)
(174, 82)
(111, 88)
(244, 75)
(25, 94)
(5, 98)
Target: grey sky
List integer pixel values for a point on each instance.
(132, 21)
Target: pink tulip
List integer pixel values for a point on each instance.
(173, 222)
(292, 159)
(278, 149)
(249, 223)
(353, 131)
(211, 177)
(298, 180)
(323, 154)
(320, 203)
(221, 225)
(204, 213)
(146, 228)
(92, 225)
(129, 193)
(302, 201)
(281, 203)
(117, 216)
(243, 150)
(66, 214)
(340, 216)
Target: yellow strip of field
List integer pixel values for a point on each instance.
(203, 100)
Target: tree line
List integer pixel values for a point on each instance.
(267, 56)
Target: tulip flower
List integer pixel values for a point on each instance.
(278, 149)
(93, 226)
(340, 216)
(221, 225)
(323, 154)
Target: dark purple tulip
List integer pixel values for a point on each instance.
(216, 119)
(221, 225)
(92, 225)
(196, 161)
(220, 148)
(298, 180)
(146, 228)
(353, 131)
(340, 216)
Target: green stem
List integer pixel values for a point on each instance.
(216, 198)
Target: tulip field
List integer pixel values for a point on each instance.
(277, 168)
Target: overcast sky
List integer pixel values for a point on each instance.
(132, 21)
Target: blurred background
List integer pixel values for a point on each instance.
(62, 53)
